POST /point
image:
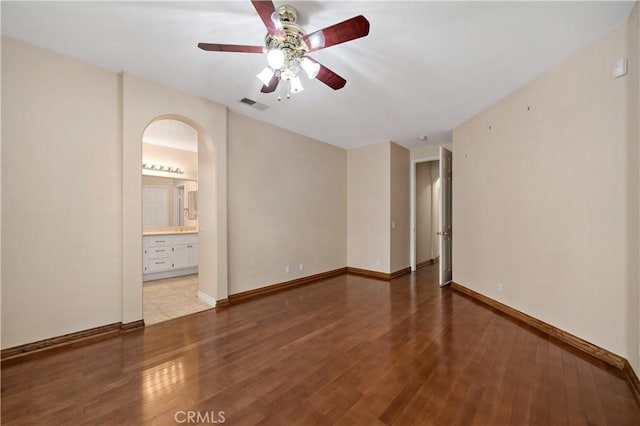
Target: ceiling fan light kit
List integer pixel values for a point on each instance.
(287, 47)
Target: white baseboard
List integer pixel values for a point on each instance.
(206, 299)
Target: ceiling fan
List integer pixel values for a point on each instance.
(287, 47)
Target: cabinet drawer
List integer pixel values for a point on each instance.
(157, 265)
(163, 240)
(183, 240)
(159, 252)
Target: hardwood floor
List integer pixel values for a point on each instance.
(346, 350)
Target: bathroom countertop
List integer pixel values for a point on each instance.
(152, 233)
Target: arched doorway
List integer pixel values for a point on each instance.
(170, 240)
(144, 102)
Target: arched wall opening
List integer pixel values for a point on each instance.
(172, 286)
(143, 103)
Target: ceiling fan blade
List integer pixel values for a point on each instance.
(269, 16)
(273, 84)
(350, 29)
(328, 77)
(216, 47)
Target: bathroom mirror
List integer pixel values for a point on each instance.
(169, 203)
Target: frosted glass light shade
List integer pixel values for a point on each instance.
(310, 67)
(265, 76)
(275, 58)
(296, 85)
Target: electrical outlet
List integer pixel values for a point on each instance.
(377, 261)
(301, 267)
(499, 287)
(287, 269)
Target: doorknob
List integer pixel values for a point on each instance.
(443, 233)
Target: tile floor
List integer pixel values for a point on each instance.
(171, 298)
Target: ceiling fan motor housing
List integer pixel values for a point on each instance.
(292, 45)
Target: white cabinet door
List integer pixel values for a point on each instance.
(194, 255)
(181, 256)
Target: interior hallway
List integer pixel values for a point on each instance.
(347, 350)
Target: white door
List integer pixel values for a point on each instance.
(155, 205)
(445, 231)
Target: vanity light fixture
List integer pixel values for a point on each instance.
(162, 168)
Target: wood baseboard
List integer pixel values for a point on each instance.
(632, 379)
(423, 264)
(568, 338)
(376, 275)
(69, 339)
(426, 263)
(55, 342)
(130, 326)
(368, 273)
(262, 291)
(222, 303)
(400, 272)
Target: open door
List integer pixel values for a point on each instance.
(445, 231)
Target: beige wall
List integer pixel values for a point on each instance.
(74, 232)
(368, 208)
(634, 114)
(287, 205)
(187, 160)
(399, 205)
(61, 186)
(431, 152)
(633, 177)
(378, 207)
(542, 189)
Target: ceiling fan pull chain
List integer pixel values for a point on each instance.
(280, 89)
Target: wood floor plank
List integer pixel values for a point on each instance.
(348, 350)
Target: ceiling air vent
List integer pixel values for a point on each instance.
(254, 104)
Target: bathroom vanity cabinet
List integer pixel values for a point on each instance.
(169, 255)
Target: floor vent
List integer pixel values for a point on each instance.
(254, 104)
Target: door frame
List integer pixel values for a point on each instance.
(178, 207)
(412, 196)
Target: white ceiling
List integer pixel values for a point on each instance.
(425, 67)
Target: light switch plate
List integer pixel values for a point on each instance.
(620, 68)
